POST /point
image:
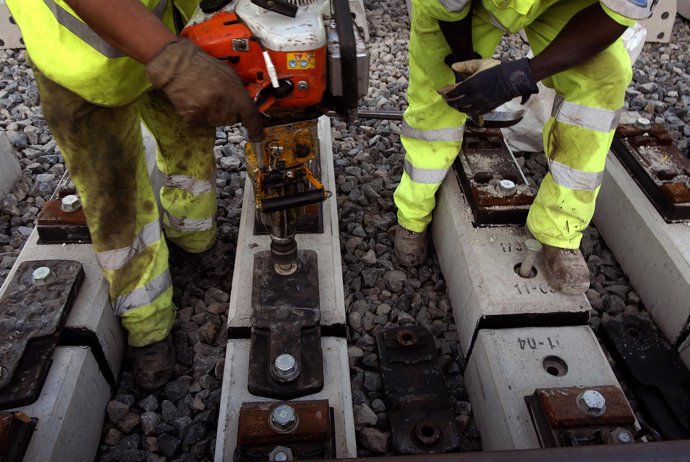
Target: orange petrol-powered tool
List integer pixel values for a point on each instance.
(297, 59)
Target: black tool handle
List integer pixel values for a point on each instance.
(275, 204)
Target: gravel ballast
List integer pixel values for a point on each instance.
(178, 421)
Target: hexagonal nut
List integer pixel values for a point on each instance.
(42, 275)
(70, 203)
(506, 187)
(622, 436)
(285, 368)
(592, 402)
(283, 419)
(280, 454)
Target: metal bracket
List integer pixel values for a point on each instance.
(33, 311)
(657, 166)
(298, 430)
(57, 226)
(285, 359)
(560, 419)
(658, 377)
(493, 183)
(421, 416)
(16, 429)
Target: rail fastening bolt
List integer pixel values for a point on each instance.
(592, 402)
(623, 436)
(70, 203)
(285, 367)
(283, 419)
(532, 248)
(643, 123)
(507, 187)
(280, 454)
(42, 275)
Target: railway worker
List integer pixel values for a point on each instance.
(101, 68)
(578, 52)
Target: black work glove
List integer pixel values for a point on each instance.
(487, 83)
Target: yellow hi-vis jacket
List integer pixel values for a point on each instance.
(71, 54)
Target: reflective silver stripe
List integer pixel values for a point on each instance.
(142, 296)
(593, 118)
(116, 259)
(189, 184)
(84, 32)
(190, 224)
(574, 179)
(425, 175)
(630, 9)
(438, 134)
(454, 5)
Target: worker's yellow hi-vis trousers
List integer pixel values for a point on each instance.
(104, 153)
(577, 137)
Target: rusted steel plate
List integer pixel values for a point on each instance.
(562, 411)
(658, 167)
(484, 162)
(420, 413)
(561, 420)
(285, 320)
(31, 318)
(312, 437)
(55, 226)
(654, 371)
(16, 429)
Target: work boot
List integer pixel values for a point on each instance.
(153, 364)
(566, 270)
(214, 262)
(410, 247)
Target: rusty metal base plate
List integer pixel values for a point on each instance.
(15, 433)
(31, 318)
(660, 380)
(285, 320)
(313, 437)
(485, 160)
(421, 416)
(658, 167)
(559, 421)
(56, 226)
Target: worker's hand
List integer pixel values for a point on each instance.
(485, 84)
(202, 89)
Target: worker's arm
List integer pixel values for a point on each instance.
(458, 34)
(490, 83)
(203, 90)
(587, 33)
(126, 24)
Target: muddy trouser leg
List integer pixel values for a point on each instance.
(103, 150)
(578, 135)
(432, 131)
(185, 159)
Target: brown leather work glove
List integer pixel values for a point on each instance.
(203, 89)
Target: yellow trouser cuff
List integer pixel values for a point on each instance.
(192, 242)
(150, 323)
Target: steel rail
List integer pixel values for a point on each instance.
(665, 451)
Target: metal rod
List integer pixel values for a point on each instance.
(532, 248)
(666, 451)
(384, 115)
